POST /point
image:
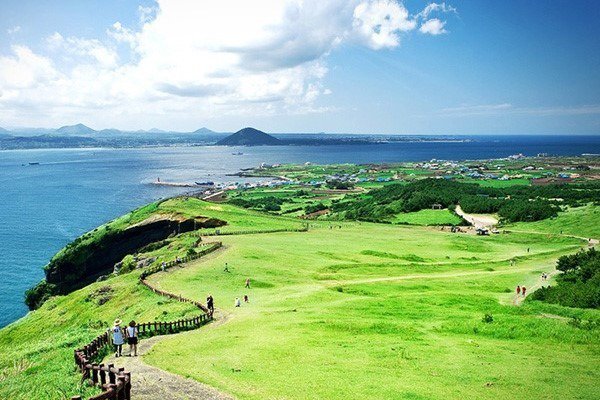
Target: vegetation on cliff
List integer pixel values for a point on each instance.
(95, 253)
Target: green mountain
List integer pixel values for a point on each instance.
(79, 129)
(250, 137)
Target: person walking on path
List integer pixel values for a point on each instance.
(210, 304)
(247, 286)
(245, 298)
(523, 290)
(518, 290)
(238, 303)
(117, 338)
(226, 268)
(132, 338)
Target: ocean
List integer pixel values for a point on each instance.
(46, 205)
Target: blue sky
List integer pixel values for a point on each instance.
(353, 66)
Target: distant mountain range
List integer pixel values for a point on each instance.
(80, 135)
(250, 137)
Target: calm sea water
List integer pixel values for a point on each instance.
(71, 191)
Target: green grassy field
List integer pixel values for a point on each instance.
(358, 310)
(580, 221)
(373, 311)
(427, 217)
(36, 352)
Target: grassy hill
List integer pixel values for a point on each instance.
(350, 310)
(397, 311)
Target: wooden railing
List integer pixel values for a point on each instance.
(116, 382)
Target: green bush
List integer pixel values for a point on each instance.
(578, 285)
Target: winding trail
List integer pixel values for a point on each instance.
(151, 383)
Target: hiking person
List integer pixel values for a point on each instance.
(238, 303)
(132, 338)
(117, 337)
(247, 285)
(528, 249)
(518, 290)
(523, 290)
(164, 266)
(210, 304)
(245, 298)
(226, 268)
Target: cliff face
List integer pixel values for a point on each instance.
(82, 263)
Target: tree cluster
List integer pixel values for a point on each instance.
(578, 285)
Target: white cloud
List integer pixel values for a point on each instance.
(201, 59)
(433, 27)
(380, 22)
(509, 109)
(436, 7)
(13, 30)
(121, 34)
(24, 69)
(87, 49)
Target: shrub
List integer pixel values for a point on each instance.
(578, 285)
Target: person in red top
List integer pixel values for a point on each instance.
(518, 290)
(523, 290)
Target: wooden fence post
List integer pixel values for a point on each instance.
(128, 386)
(102, 375)
(111, 375)
(121, 385)
(95, 373)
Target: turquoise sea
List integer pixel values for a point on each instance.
(71, 191)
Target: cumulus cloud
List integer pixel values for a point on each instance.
(90, 49)
(380, 22)
(206, 58)
(25, 69)
(433, 27)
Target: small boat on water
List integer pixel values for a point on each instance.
(239, 153)
(34, 163)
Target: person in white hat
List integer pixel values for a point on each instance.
(117, 337)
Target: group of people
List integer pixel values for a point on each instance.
(119, 334)
(238, 302)
(521, 290)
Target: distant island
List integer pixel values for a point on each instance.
(82, 136)
(250, 137)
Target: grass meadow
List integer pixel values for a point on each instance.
(370, 311)
(349, 310)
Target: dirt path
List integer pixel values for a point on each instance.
(519, 299)
(151, 383)
(477, 220)
(440, 275)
